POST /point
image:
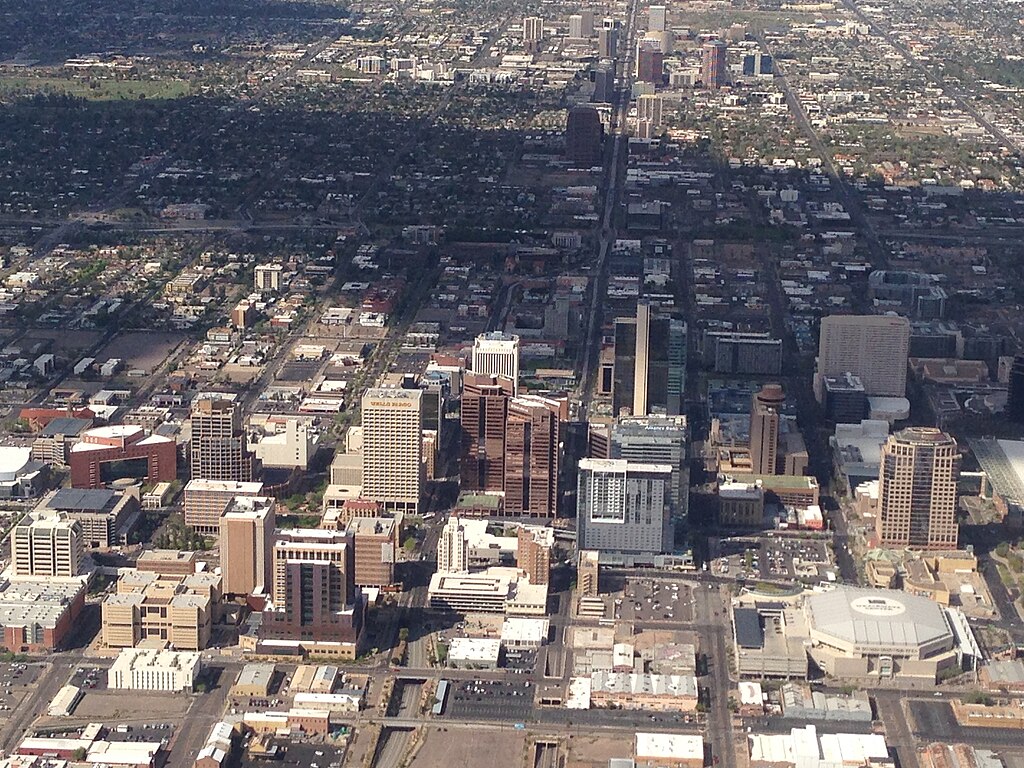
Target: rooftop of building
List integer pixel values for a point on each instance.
(880, 618)
(669, 746)
(82, 499)
(223, 486)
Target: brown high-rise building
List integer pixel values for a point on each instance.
(650, 62)
(917, 494)
(246, 539)
(315, 600)
(376, 543)
(713, 71)
(583, 133)
(765, 416)
(511, 445)
(219, 445)
(531, 455)
(484, 413)
(533, 555)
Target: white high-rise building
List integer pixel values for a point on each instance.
(267, 277)
(47, 544)
(392, 471)
(533, 29)
(649, 107)
(576, 27)
(657, 18)
(452, 548)
(872, 347)
(497, 354)
(623, 506)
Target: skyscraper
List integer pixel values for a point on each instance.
(765, 420)
(714, 70)
(575, 27)
(650, 363)
(532, 455)
(497, 354)
(452, 548)
(511, 445)
(622, 506)
(657, 18)
(917, 490)
(650, 62)
(246, 544)
(219, 445)
(314, 594)
(604, 83)
(533, 31)
(583, 133)
(484, 420)
(872, 347)
(656, 440)
(607, 42)
(392, 464)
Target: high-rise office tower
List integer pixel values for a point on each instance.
(873, 348)
(650, 363)
(532, 455)
(1015, 396)
(917, 490)
(484, 420)
(576, 27)
(497, 354)
(622, 506)
(452, 548)
(758, 65)
(392, 464)
(47, 544)
(220, 449)
(314, 592)
(656, 440)
(765, 423)
(650, 62)
(533, 30)
(246, 545)
(583, 132)
(714, 70)
(649, 107)
(533, 555)
(604, 83)
(587, 22)
(657, 18)
(607, 42)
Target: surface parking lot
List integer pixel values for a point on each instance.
(521, 662)
(773, 557)
(89, 678)
(490, 700)
(646, 600)
(15, 678)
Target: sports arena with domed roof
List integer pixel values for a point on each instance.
(878, 633)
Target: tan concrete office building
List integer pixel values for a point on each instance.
(392, 470)
(917, 494)
(179, 610)
(47, 543)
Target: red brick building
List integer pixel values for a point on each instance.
(105, 453)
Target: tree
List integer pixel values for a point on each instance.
(403, 635)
